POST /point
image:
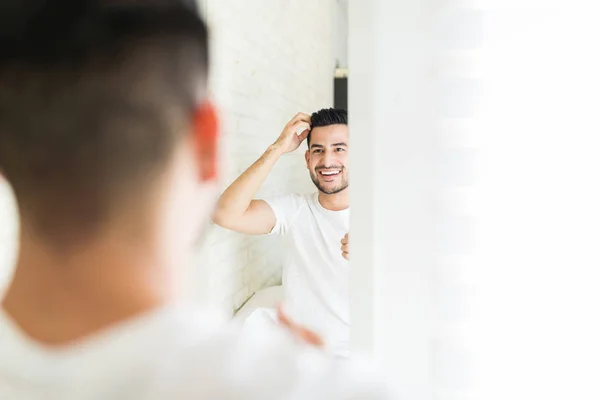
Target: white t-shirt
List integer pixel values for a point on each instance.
(315, 274)
(174, 353)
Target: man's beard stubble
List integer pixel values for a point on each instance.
(342, 186)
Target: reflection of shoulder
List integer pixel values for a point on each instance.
(307, 198)
(299, 202)
(296, 200)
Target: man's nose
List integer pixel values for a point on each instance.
(328, 159)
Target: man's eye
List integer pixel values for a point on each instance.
(340, 149)
(317, 151)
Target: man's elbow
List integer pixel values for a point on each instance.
(227, 220)
(220, 218)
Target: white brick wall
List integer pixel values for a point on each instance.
(270, 59)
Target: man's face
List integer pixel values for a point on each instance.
(327, 158)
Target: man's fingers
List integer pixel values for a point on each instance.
(345, 239)
(283, 318)
(301, 117)
(306, 335)
(311, 337)
(304, 134)
(346, 255)
(301, 126)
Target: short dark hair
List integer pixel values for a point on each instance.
(326, 117)
(94, 96)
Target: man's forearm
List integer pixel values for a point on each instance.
(237, 197)
(234, 209)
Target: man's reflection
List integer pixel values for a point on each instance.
(315, 226)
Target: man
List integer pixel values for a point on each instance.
(109, 142)
(315, 226)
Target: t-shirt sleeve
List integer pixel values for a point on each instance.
(286, 208)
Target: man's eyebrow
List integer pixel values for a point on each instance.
(316, 145)
(339, 144)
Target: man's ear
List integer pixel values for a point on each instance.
(306, 156)
(206, 135)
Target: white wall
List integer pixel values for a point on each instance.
(412, 96)
(413, 90)
(340, 35)
(271, 59)
(393, 190)
(475, 219)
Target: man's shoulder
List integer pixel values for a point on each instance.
(296, 196)
(189, 354)
(291, 201)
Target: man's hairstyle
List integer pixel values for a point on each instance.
(94, 96)
(326, 117)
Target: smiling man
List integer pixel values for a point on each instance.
(315, 226)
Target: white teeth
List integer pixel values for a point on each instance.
(330, 173)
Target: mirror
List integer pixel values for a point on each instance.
(284, 213)
(271, 61)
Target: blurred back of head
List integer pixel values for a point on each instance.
(94, 98)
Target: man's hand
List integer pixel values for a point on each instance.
(345, 248)
(301, 332)
(290, 140)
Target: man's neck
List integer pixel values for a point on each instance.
(59, 298)
(335, 202)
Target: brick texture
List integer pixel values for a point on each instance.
(270, 60)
